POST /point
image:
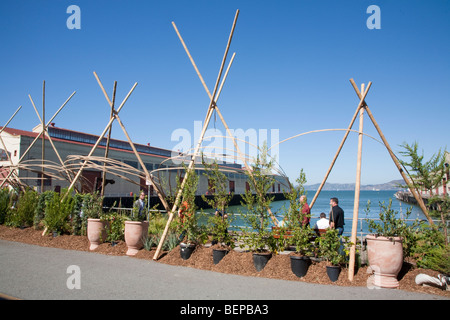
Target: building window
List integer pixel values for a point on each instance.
(47, 180)
(232, 187)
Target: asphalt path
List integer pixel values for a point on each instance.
(38, 273)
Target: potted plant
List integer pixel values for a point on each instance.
(191, 233)
(136, 230)
(258, 237)
(219, 223)
(334, 250)
(92, 210)
(300, 238)
(385, 245)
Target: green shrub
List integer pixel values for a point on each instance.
(57, 212)
(23, 214)
(5, 204)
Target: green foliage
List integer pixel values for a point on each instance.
(218, 224)
(429, 250)
(390, 225)
(23, 213)
(92, 205)
(115, 229)
(39, 212)
(57, 212)
(6, 198)
(257, 203)
(188, 220)
(292, 217)
(301, 238)
(425, 175)
(332, 247)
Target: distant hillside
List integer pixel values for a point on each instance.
(392, 185)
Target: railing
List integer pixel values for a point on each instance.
(360, 233)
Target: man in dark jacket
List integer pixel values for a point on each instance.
(336, 216)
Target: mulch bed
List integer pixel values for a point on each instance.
(239, 263)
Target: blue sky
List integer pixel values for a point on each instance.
(291, 73)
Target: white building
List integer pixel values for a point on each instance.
(72, 143)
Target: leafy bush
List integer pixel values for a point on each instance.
(257, 202)
(23, 214)
(5, 204)
(57, 212)
(39, 211)
(332, 247)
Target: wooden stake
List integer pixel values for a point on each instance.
(393, 156)
(351, 268)
(340, 147)
(38, 136)
(77, 176)
(205, 126)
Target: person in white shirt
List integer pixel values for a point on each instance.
(323, 222)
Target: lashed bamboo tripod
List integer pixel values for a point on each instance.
(211, 108)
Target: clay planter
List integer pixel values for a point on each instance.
(135, 232)
(96, 232)
(385, 255)
(300, 265)
(186, 250)
(260, 260)
(218, 255)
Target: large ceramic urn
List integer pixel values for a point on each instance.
(385, 256)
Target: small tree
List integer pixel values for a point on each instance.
(188, 226)
(218, 224)
(257, 201)
(427, 176)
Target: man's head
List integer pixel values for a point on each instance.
(142, 196)
(334, 202)
(323, 215)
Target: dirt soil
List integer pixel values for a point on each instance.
(239, 263)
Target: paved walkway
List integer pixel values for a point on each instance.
(33, 272)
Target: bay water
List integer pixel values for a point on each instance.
(346, 202)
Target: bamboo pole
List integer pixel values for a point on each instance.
(37, 137)
(351, 268)
(217, 108)
(50, 139)
(116, 116)
(43, 138)
(205, 126)
(394, 158)
(3, 143)
(77, 176)
(340, 146)
(108, 139)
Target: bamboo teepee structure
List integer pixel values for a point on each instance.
(213, 107)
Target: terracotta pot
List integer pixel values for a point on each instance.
(385, 255)
(96, 232)
(135, 232)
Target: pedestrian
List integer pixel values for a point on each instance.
(305, 211)
(336, 216)
(139, 205)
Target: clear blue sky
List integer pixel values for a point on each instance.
(292, 68)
